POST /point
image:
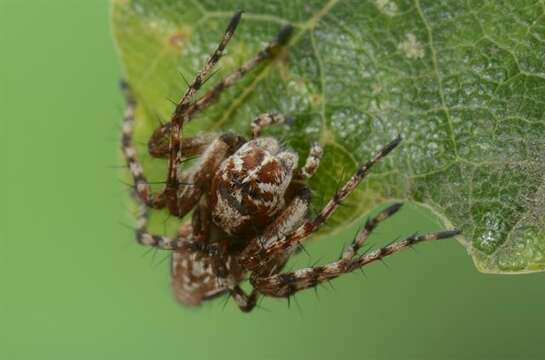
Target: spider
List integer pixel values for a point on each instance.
(249, 200)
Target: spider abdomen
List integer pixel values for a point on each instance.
(249, 187)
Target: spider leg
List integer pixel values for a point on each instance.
(269, 52)
(181, 109)
(144, 237)
(265, 120)
(141, 186)
(287, 284)
(245, 302)
(311, 226)
(312, 163)
(293, 216)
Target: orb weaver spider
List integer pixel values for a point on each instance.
(249, 200)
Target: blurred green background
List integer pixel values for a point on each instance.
(75, 285)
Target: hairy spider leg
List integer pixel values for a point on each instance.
(287, 284)
(141, 189)
(267, 53)
(141, 185)
(144, 237)
(180, 113)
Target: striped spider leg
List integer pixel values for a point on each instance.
(287, 284)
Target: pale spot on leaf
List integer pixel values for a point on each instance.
(411, 47)
(387, 7)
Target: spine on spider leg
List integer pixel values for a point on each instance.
(286, 284)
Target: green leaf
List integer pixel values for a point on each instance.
(462, 81)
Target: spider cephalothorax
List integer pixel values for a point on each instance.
(248, 198)
(250, 186)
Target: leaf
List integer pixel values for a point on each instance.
(462, 81)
